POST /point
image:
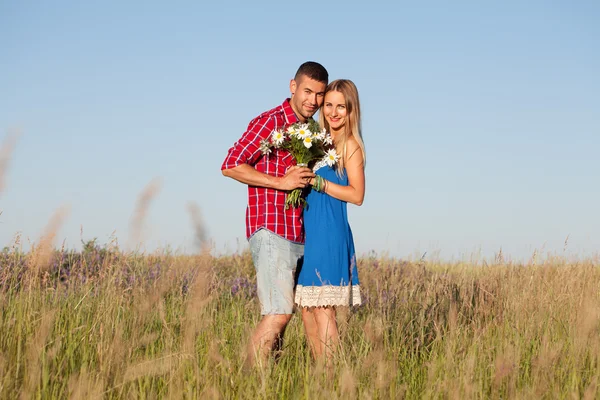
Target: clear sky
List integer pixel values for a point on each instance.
(481, 119)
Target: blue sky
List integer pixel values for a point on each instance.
(481, 119)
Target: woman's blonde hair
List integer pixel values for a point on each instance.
(353, 123)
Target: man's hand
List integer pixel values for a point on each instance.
(295, 177)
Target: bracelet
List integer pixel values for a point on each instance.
(320, 184)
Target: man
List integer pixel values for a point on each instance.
(275, 234)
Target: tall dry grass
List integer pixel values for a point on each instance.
(110, 324)
(107, 323)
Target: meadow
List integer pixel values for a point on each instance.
(104, 323)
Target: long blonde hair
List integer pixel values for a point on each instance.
(353, 122)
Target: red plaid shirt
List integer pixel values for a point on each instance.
(266, 207)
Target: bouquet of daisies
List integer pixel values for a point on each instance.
(307, 143)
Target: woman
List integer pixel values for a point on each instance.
(328, 278)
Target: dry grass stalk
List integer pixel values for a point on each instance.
(374, 330)
(592, 390)
(587, 319)
(5, 155)
(153, 367)
(210, 392)
(504, 367)
(141, 210)
(113, 352)
(43, 251)
(216, 357)
(200, 232)
(348, 384)
(34, 351)
(83, 386)
(198, 298)
(147, 339)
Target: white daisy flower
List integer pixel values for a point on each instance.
(321, 135)
(265, 146)
(277, 138)
(303, 131)
(328, 139)
(307, 141)
(291, 130)
(331, 157)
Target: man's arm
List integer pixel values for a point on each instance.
(239, 160)
(295, 177)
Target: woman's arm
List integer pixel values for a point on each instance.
(355, 191)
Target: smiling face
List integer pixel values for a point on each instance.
(335, 111)
(307, 96)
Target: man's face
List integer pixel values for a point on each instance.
(307, 96)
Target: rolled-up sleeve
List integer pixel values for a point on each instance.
(247, 149)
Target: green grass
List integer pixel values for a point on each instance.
(167, 326)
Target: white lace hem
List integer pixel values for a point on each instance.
(328, 295)
(320, 164)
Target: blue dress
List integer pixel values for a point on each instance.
(329, 276)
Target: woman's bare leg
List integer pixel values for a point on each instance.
(327, 331)
(312, 331)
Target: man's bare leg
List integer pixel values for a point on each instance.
(267, 335)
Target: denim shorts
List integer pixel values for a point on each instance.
(276, 261)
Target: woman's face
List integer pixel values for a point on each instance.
(334, 110)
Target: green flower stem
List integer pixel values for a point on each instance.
(295, 199)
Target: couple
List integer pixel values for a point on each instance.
(326, 260)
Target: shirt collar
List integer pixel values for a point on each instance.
(288, 112)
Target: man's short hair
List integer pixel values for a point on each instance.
(314, 71)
